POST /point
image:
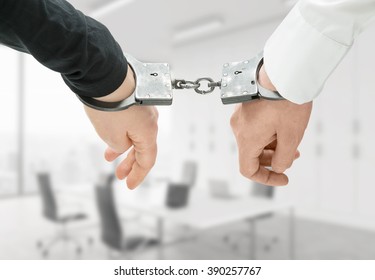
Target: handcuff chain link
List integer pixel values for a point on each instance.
(184, 84)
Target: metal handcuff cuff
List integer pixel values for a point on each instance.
(154, 85)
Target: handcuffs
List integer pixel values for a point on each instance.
(154, 85)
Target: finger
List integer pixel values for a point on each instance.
(270, 178)
(117, 148)
(110, 154)
(250, 168)
(136, 175)
(124, 168)
(267, 155)
(286, 149)
(142, 165)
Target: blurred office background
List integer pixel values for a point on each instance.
(46, 140)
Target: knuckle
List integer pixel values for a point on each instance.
(233, 121)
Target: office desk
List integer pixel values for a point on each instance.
(204, 212)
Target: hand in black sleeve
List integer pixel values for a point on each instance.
(65, 40)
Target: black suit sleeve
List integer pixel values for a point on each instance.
(65, 40)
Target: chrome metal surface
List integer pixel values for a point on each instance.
(207, 91)
(183, 84)
(153, 82)
(239, 82)
(153, 87)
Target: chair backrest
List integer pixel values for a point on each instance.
(110, 226)
(177, 195)
(48, 197)
(262, 191)
(189, 173)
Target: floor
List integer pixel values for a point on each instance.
(21, 226)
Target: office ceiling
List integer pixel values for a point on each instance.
(151, 29)
(87, 6)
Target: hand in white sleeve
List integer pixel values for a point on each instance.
(310, 43)
(298, 58)
(268, 134)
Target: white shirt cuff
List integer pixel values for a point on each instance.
(299, 59)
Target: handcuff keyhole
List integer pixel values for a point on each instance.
(154, 74)
(237, 72)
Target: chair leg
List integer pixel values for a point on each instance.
(62, 235)
(45, 248)
(76, 243)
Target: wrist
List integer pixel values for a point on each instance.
(264, 80)
(125, 90)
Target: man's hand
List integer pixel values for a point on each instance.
(268, 134)
(134, 128)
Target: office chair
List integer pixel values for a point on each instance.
(178, 193)
(51, 213)
(112, 233)
(259, 191)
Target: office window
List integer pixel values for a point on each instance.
(9, 68)
(58, 136)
